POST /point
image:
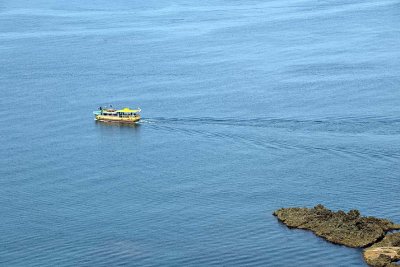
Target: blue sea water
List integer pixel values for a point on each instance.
(248, 106)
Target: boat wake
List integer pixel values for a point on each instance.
(354, 125)
(328, 135)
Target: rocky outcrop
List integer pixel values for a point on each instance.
(384, 252)
(349, 229)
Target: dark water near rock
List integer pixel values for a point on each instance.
(248, 106)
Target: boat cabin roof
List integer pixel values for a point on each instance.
(128, 110)
(120, 111)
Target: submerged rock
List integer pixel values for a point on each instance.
(349, 229)
(384, 252)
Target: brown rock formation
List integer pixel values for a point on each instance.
(349, 229)
(385, 252)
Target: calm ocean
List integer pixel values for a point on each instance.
(247, 106)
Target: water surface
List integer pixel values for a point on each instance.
(248, 106)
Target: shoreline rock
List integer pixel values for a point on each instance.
(384, 252)
(349, 229)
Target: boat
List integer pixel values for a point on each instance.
(125, 115)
